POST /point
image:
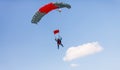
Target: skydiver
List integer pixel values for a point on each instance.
(59, 42)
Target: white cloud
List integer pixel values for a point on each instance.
(74, 65)
(82, 50)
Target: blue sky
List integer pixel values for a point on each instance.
(25, 46)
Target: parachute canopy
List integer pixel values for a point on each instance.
(46, 9)
(56, 31)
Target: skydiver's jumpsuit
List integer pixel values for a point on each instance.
(59, 42)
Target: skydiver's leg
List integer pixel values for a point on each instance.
(62, 45)
(58, 46)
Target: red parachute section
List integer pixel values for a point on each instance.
(48, 7)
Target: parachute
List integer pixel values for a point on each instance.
(46, 9)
